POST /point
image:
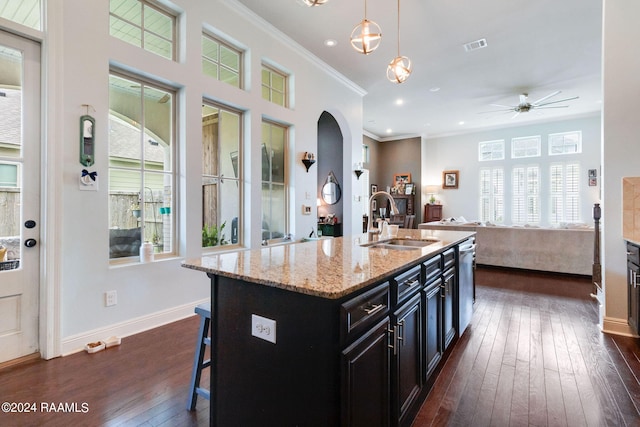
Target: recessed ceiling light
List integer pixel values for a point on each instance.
(434, 89)
(389, 130)
(399, 101)
(330, 42)
(460, 123)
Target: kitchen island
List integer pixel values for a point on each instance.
(331, 332)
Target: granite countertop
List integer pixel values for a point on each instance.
(328, 268)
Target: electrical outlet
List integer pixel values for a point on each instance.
(110, 298)
(263, 328)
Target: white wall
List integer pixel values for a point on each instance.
(79, 51)
(460, 152)
(621, 149)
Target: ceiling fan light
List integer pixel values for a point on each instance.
(366, 37)
(399, 69)
(312, 3)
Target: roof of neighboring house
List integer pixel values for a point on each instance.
(123, 142)
(10, 116)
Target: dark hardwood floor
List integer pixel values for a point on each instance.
(533, 355)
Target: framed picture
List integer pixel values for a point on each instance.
(450, 179)
(408, 188)
(593, 173)
(404, 178)
(374, 205)
(374, 188)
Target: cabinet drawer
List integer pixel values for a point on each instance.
(432, 269)
(407, 284)
(448, 258)
(633, 253)
(362, 311)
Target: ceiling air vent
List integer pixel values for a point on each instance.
(478, 44)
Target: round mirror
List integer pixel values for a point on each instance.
(331, 191)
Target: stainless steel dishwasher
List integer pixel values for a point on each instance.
(466, 283)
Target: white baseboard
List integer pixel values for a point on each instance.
(612, 325)
(76, 343)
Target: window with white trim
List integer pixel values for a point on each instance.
(492, 195)
(141, 166)
(143, 24)
(221, 61)
(528, 146)
(491, 150)
(525, 195)
(221, 175)
(274, 86)
(565, 143)
(565, 192)
(274, 185)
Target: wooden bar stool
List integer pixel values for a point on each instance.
(204, 311)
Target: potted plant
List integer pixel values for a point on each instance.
(213, 236)
(135, 210)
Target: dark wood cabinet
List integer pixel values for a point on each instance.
(407, 360)
(366, 379)
(432, 327)
(334, 230)
(449, 297)
(633, 294)
(432, 213)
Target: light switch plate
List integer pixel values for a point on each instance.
(263, 328)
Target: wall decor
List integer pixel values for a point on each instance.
(401, 178)
(374, 188)
(593, 177)
(450, 179)
(408, 188)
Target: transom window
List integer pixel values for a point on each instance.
(565, 143)
(528, 146)
(491, 150)
(24, 12)
(274, 189)
(221, 175)
(274, 86)
(143, 24)
(221, 61)
(141, 166)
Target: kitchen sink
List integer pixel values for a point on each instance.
(401, 244)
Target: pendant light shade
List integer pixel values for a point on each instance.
(399, 69)
(366, 36)
(312, 3)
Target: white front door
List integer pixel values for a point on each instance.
(19, 195)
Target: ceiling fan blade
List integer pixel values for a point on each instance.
(515, 115)
(496, 111)
(556, 106)
(546, 97)
(555, 102)
(503, 106)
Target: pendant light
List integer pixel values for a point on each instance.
(365, 37)
(399, 69)
(312, 3)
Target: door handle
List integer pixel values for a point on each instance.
(30, 243)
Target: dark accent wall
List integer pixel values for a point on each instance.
(330, 158)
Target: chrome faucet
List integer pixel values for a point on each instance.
(394, 210)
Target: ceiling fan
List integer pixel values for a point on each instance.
(525, 106)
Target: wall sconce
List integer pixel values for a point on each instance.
(308, 159)
(358, 170)
(432, 190)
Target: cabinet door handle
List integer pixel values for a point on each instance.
(411, 284)
(373, 309)
(401, 331)
(393, 333)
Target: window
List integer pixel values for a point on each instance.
(274, 191)
(492, 195)
(491, 150)
(565, 192)
(142, 24)
(565, 143)
(525, 195)
(221, 61)
(24, 12)
(9, 175)
(274, 86)
(221, 175)
(525, 147)
(141, 166)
